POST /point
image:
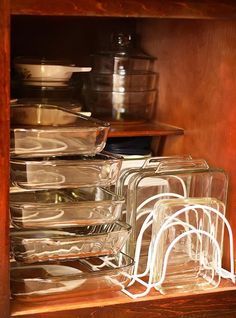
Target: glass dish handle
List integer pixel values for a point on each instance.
(182, 165)
(155, 161)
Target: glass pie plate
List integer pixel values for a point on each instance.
(47, 245)
(49, 281)
(64, 208)
(66, 172)
(46, 130)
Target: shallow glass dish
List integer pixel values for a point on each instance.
(64, 96)
(64, 208)
(121, 106)
(66, 172)
(47, 130)
(122, 83)
(47, 245)
(72, 278)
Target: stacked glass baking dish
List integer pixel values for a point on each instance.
(176, 207)
(67, 235)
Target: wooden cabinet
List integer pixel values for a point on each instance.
(195, 43)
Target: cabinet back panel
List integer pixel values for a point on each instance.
(72, 38)
(197, 66)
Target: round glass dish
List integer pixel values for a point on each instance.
(116, 106)
(122, 83)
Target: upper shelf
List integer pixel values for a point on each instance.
(143, 129)
(128, 8)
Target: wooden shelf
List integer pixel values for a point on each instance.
(128, 8)
(143, 129)
(220, 302)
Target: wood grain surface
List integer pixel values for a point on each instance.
(127, 8)
(218, 304)
(197, 85)
(4, 156)
(143, 129)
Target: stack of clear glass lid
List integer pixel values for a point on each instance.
(122, 83)
(67, 234)
(176, 207)
(47, 81)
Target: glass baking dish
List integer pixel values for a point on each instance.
(70, 278)
(47, 245)
(46, 130)
(122, 83)
(64, 208)
(121, 106)
(191, 263)
(111, 62)
(66, 172)
(168, 179)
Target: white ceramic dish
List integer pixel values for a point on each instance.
(46, 70)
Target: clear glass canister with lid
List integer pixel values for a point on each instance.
(122, 83)
(122, 58)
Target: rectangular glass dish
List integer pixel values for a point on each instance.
(47, 245)
(76, 278)
(66, 172)
(64, 208)
(192, 259)
(46, 130)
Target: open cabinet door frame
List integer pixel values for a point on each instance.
(4, 155)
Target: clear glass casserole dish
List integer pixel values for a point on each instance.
(66, 172)
(47, 130)
(191, 264)
(122, 83)
(72, 278)
(120, 106)
(189, 178)
(64, 208)
(63, 96)
(47, 245)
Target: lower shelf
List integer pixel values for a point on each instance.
(218, 303)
